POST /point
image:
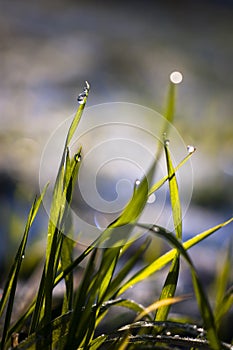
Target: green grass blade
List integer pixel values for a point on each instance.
(58, 214)
(169, 288)
(224, 307)
(168, 114)
(170, 106)
(224, 298)
(96, 343)
(59, 332)
(10, 288)
(35, 308)
(82, 307)
(66, 260)
(167, 257)
(201, 297)
(72, 167)
(126, 303)
(118, 231)
(98, 289)
(107, 268)
(77, 116)
(137, 203)
(126, 268)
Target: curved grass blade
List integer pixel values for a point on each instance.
(159, 304)
(201, 297)
(10, 288)
(170, 342)
(167, 257)
(126, 303)
(123, 342)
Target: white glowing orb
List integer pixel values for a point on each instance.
(151, 199)
(176, 77)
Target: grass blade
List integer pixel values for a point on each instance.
(169, 288)
(174, 193)
(224, 307)
(58, 214)
(82, 307)
(168, 114)
(201, 297)
(10, 288)
(66, 260)
(127, 303)
(224, 298)
(160, 183)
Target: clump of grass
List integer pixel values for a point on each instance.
(103, 281)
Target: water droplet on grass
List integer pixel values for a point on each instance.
(81, 98)
(156, 228)
(166, 142)
(23, 256)
(191, 149)
(77, 157)
(151, 198)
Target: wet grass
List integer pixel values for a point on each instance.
(103, 281)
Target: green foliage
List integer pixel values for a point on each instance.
(104, 280)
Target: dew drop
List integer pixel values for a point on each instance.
(166, 142)
(151, 199)
(176, 77)
(168, 333)
(156, 228)
(191, 149)
(137, 182)
(23, 256)
(81, 98)
(77, 157)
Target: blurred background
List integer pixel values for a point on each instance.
(126, 50)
